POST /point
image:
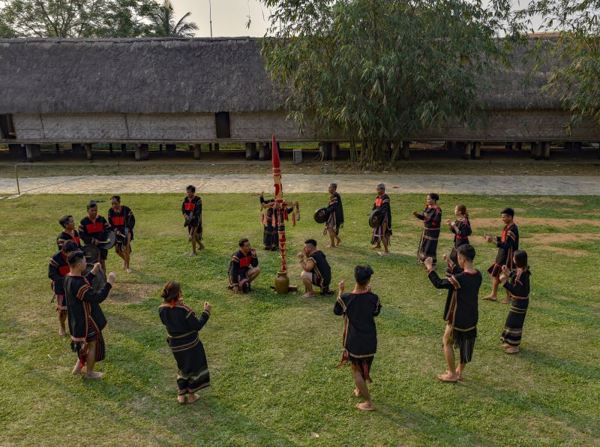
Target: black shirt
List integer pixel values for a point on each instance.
(360, 334)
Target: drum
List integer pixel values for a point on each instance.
(375, 218)
(99, 280)
(109, 242)
(92, 254)
(321, 215)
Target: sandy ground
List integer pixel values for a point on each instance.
(298, 183)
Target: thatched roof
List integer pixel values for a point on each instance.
(133, 75)
(176, 76)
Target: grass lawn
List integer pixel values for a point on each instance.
(272, 358)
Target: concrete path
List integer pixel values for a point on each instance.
(297, 183)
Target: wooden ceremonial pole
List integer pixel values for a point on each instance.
(282, 281)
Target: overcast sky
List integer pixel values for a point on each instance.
(231, 16)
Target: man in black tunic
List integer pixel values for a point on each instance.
(336, 216)
(359, 308)
(315, 269)
(191, 208)
(243, 268)
(461, 311)
(86, 319)
(432, 219)
(58, 268)
(122, 222)
(383, 232)
(94, 229)
(507, 243)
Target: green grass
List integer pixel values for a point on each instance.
(273, 358)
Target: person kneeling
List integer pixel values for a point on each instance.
(360, 334)
(461, 311)
(315, 269)
(243, 268)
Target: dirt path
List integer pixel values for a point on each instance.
(255, 183)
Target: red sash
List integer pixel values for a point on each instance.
(245, 261)
(378, 202)
(189, 206)
(96, 227)
(118, 221)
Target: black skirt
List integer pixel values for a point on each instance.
(192, 365)
(465, 342)
(428, 245)
(513, 328)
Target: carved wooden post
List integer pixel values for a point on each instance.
(88, 151)
(405, 152)
(250, 151)
(141, 152)
(477, 150)
(197, 151)
(32, 152)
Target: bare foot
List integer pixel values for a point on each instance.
(491, 298)
(94, 375)
(192, 398)
(61, 332)
(330, 246)
(128, 270)
(512, 350)
(339, 241)
(201, 246)
(77, 369)
(447, 377)
(193, 253)
(505, 301)
(383, 253)
(376, 247)
(505, 345)
(309, 295)
(459, 376)
(181, 400)
(356, 392)
(365, 406)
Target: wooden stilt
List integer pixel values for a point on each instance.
(142, 152)
(405, 151)
(33, 152)
(250, 151)
(477, 150)
(197, 151)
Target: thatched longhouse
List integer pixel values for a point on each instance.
(209, 90)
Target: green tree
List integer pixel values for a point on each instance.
(576, 75)
(75, 18)
(164, 23)
(378, 71)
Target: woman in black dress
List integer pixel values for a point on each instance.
(517, 285)
(182, 329)
(359, 309)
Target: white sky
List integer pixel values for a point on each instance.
(230, 16)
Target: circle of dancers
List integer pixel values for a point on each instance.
(80, 284)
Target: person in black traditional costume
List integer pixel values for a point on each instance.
(461, 311)
(316, 271)
(359, 308)
(58, 268)
(270, 237)
(432, 219)
(122, 222)
(507, 243)
(191, 208)
(461, 228)
(383, 232)
(270, 234)
(336, 216)
(517, 284)
(69, 232)
(243, 268)
(86, 319)
(182, 328)
(94, 229)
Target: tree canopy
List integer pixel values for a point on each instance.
(577, 48)
(381, 70)
(91, 18)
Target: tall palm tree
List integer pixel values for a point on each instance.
(164, 24)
